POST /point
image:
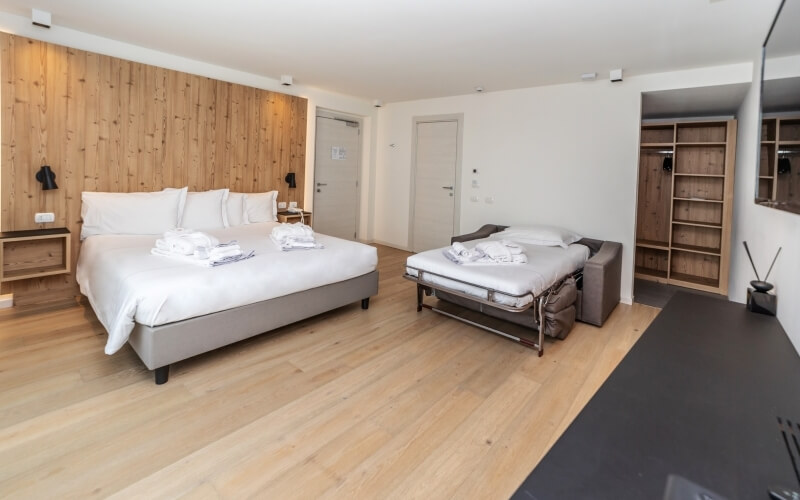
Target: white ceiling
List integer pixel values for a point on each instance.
(411, 49)
(694, 102)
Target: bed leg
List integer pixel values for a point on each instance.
(419, 298)
(162, 374)
(365, 303)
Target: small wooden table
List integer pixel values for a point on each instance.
(292, 217)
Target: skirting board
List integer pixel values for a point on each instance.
(392, 245)
(6, 300)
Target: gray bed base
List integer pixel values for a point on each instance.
(160, 346)
(598, 293)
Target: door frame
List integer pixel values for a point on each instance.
(459, 119)
(324, 113)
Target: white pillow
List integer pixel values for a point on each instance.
(205, 210)
(235, 209)
(549, 236)
(261, 207)
(130, 213)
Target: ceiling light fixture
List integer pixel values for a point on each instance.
(588, 77)
(479, 89)
(286, 80)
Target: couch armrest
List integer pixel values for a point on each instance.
(602, 275)
(483, 232)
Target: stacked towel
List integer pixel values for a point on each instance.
(185, 241)
(198, 248)
(487, 252)
(296, 236)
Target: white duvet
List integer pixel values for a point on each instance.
(518, 284)
(125, 283)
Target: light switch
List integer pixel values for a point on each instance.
(489, 199)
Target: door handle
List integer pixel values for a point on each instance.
(448, 187)
(321, 184)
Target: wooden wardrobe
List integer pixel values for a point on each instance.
(685, 203)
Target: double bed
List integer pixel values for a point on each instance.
(565, 278)
(169, 310)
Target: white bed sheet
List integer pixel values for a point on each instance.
(126, 284)
(518, 284)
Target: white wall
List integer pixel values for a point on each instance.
(22, 26)
(562, 154)
(764, 229)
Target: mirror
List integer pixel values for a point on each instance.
(778, 169)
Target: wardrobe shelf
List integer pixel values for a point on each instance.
(691, 144)
(651, 274)
(657, 145)
(701, 200)
(697, 223)
(707, 284)
(684, 174)
(657, 245)
(696, 249)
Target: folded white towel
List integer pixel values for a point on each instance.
(294, 237)
(185, 241)
(501, 246)
(287, 244)
(203, 262)
(488, 252)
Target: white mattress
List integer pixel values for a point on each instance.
(126, 284)
(518, 284)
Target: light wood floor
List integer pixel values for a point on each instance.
(353, 404)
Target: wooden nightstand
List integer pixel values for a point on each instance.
(292, 217)
(34, 253)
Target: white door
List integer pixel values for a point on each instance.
(435, 187)
(336, 177)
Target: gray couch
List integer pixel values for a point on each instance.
(599, 290)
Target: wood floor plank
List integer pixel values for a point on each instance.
(387, 402)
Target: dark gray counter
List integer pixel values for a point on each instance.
(698, 395)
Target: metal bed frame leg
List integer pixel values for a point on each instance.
(162, 374)
(365, 303)
(538, 309)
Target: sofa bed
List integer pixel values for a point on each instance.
(569, 279)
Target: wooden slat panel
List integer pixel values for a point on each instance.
(106, 124)
(655, 196)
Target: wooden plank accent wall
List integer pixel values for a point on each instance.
(107, 124)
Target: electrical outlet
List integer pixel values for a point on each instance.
(473, 198)
(41, 218)
(292, 204)
(489, 199)
(282, 204)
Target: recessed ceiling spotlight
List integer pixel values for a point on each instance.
(479, 89)
(588, 77)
